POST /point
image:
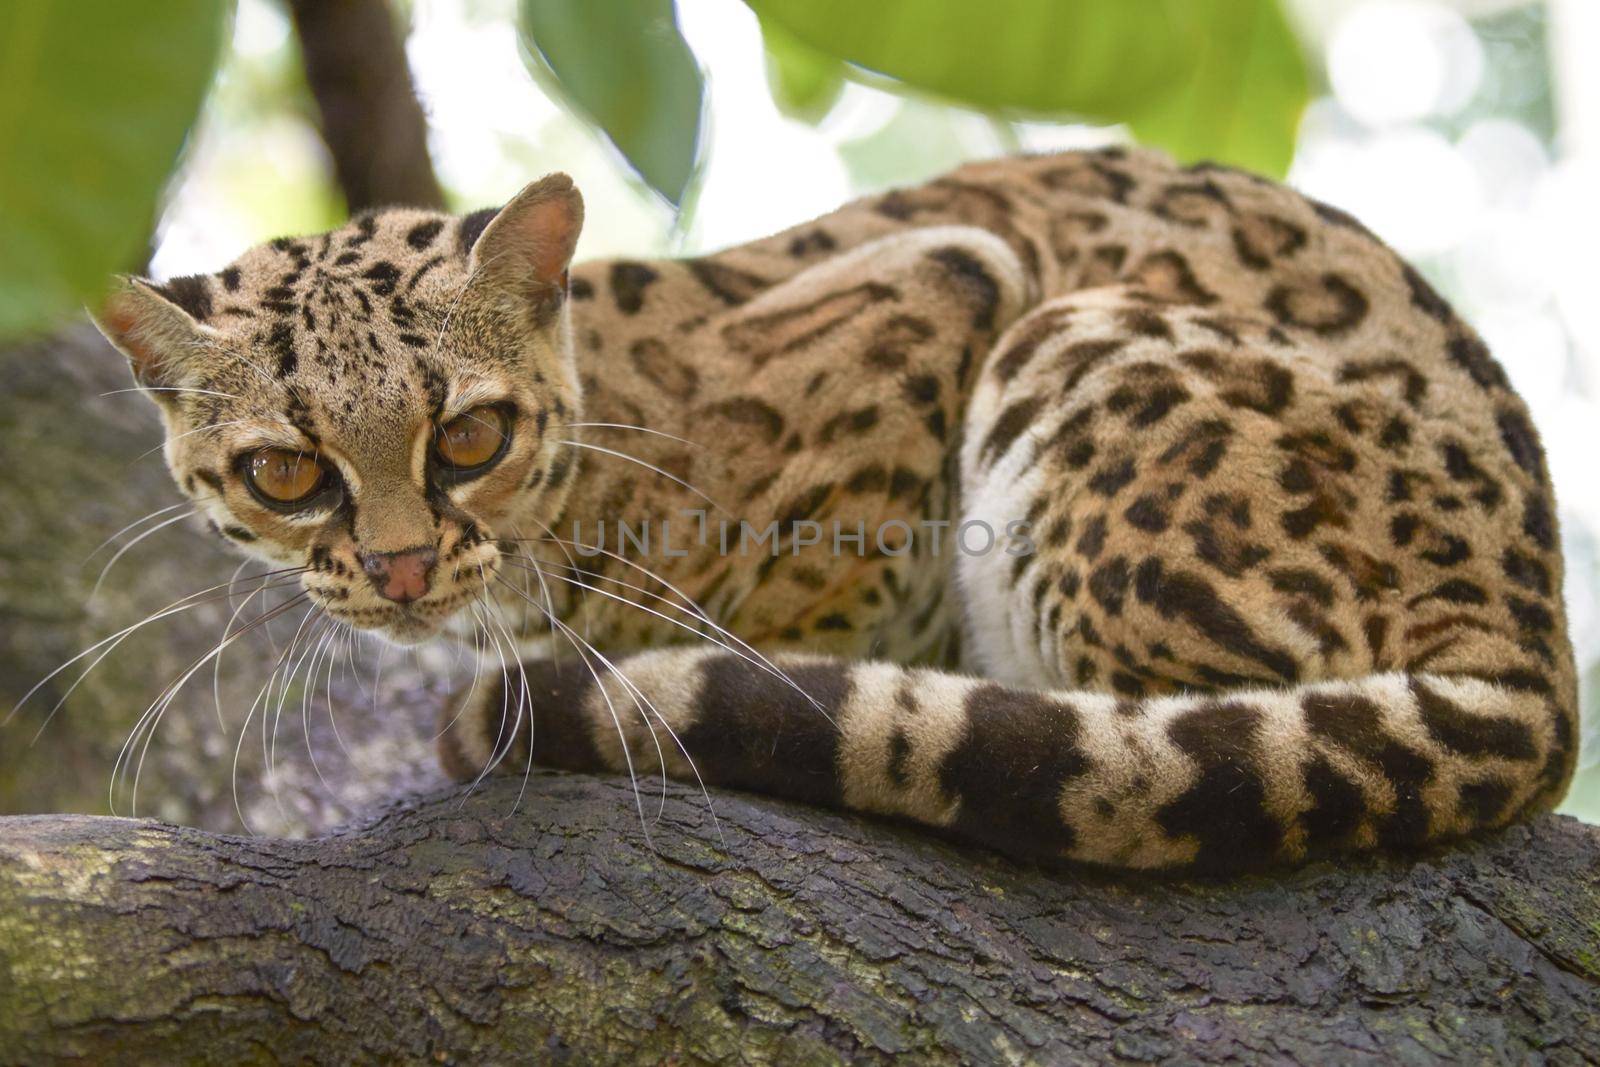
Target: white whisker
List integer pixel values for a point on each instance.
(551, 535)
(152, 715)
(244, 728)
(638, 696)
(123, 551)
(704, 616)
(177, 607)
(145, 518)
(648, 466)
(640, 429)
(187, 433)
(578, 646)
(168, 389)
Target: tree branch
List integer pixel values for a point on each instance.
(467, 927)
(355, 64)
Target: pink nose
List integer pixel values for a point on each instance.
(400, 576)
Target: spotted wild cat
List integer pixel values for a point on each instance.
(1275, 570)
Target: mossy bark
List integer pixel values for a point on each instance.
(482, 926)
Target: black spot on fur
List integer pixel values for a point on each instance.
(1225, 810)
(1356, 725)
(728, 284)
(814, 242)
(975, 278)
(422, 234)
(903, 482)
(1108, 584)
(559, 470)
(848, 423)
(752, 412)
(1526, 571)
(1009, 426)
(899, 753)
(1336, 216)
(1468, 734)
(1025, 343)
(1148, 403)
(1148, 514)
(1093, 538)
(192, 293)
(1299, 581)
(1029, 743)
(869, 479)
(1538, 523)
(755, 732)
(1111, 479)
(1178, 594)
(1146, 323)
(281, 341)
(804, 507)
(1337, 804)
(1531, 617)
(1260, 239)
(922, 389)
(383, 275)
(472, 227)
(1337, 309)
(560, 737)
(1520, 440)
(1472, 356)
(1424, 297)
(1483, 802)
(1454, 591)
(628, 283)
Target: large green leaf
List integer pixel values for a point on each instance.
(1242, 100)
(623, 65)
(96, 97)
(1217, 78)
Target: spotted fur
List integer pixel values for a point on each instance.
(1295, 585)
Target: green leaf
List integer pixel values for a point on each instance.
(805, 83)
(623, 66)
(1044, 56)
(1241, 103)
(96, 98)
(1218, 78)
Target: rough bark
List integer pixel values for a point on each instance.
(355, 65)
(470, 929)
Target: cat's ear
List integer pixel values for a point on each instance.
(157, 328)
(528, 245)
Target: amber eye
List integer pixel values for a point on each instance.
(472, 439)
(282, 476)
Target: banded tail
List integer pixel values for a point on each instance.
(1214, 783)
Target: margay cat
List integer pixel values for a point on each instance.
(1295, 577)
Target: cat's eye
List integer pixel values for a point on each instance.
(283, 476)
(474, 439)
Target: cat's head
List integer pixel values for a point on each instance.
(378, 404)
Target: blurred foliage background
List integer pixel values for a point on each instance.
(168, 137)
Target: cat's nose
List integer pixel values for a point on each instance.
(400, 576)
